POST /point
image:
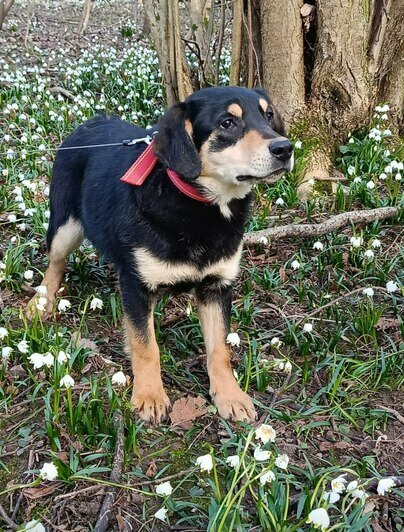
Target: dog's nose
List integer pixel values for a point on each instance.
(281, 149)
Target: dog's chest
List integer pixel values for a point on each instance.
(155, 272)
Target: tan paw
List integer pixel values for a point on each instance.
(33, 307)
(234, 404)
(151, 406)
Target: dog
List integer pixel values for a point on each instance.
(162, 234)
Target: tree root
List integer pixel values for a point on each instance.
(309, 230)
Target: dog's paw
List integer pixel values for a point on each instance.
(151, 406)
(235, 405)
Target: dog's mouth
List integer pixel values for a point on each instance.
(271, 178)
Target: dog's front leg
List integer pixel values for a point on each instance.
(214, 305)
(148, 396)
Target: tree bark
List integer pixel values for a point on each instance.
(5, 6)
(85, 16)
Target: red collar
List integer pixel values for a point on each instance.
(141, 168)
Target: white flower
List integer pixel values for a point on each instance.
(307, 327)
(376, 243)
(368, 291)
(383, 176)
(63, 357)
(48, 360)
(385, 108)
(357, 180)
(311, 182)
(263, 240)
(318, 245)
(63, 305)
(233, 339)
(67, 381)
(119, 378)
(359, 494)
(387, 133)
(378, 109)
(400, 166)
(288, 367)
(23, 346)
(370, 185)
(282, 461)
(391, 287)
(331, 496)
(338, 484)
(33, 526)
(280, 202)
(205, 463)
(351, 140)
(36, 360)
(351, 170)
(369, 254)
(28, 275)
(267, 477)
(161, 514)
(265, 433)
(295, 265)
(279, 364)
(352, 485)
(48, 471)
(3, 333)
(233, 461)
(319, 518)
(260, 455)
(96, 303)
(164, 489)
(41, 290)
(6, 352)
(41, 304)
(12, 218)
(388, 169)
(398, 177)
(356, 241)
(385, 485)
(298, 144)
(276, 342)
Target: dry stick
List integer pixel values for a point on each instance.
(115, 476)
(308, 230)
(398, 416)
(63, 92)
(6, 519)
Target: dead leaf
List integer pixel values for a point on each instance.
(41, 491)
(186, 410)
(282, 274)
(328, 445)
(152, 469)
(387, 323)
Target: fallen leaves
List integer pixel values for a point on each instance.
(186, 410)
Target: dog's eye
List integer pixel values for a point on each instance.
(227, 124)
(270, 116)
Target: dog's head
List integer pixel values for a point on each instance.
(226, 138)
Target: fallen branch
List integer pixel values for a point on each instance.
(7, 520)
(109, 499)
(63, 92)
(309, 230)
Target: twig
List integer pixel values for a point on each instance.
(309, 230)
(115, 476)
(21, 495)
(399, 417)
(63, 92)
(164, 479)
(72, 494)
(6, 519)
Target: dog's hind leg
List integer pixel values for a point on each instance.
(61, 242)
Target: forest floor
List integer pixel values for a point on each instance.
(319, 322)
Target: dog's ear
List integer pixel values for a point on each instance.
(174, 144)
(279, 125)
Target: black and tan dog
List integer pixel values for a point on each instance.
(220, 142)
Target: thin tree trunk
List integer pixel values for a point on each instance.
(5, 6)
(236, 43)
(85, 17)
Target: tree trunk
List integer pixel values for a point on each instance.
(85, 16)
(5, 6)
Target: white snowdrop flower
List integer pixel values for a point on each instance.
(319, 518)
(62, 357)
(352, 485)
(368, 291)
(311, 182)
(48, 471)
(307, 327)
(351, 170)
(398, 177)
(161, 514)
(96, 303)
(67, 381)
(391, 287)
(29, 275)
(351, 140)
(318, 245)
(282, 461)
(23, 346)
(63, 305)
(6, 352)
(376, 243)
(378, 109)
(370, 185)
(41, 304)
(279, 364)
(385, 485)
(338, 484)
(233, 461)
(356, 241)
(400, 166)
(387, 133)
(48, 360)
(205, 463)
(41, 290)
(383, 176)
(276, 342)
(261, 455)
(33, 526)
(3, 333)
(233, 339)
(360, 494)
(298, 144)
(331, 497)
(265, 433)
(357, 180)
(369, 255)
(164, 489)
(378, 138)
(119, 378)
(12, 218)
(263, 240)
(36, 360)
(384, 117)
(388, 169)
(13, 239)
(280, 202)
(385, 108)
(295, 265)
(267, 478)
(288, 367)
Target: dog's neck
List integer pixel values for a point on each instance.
(222, 193)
